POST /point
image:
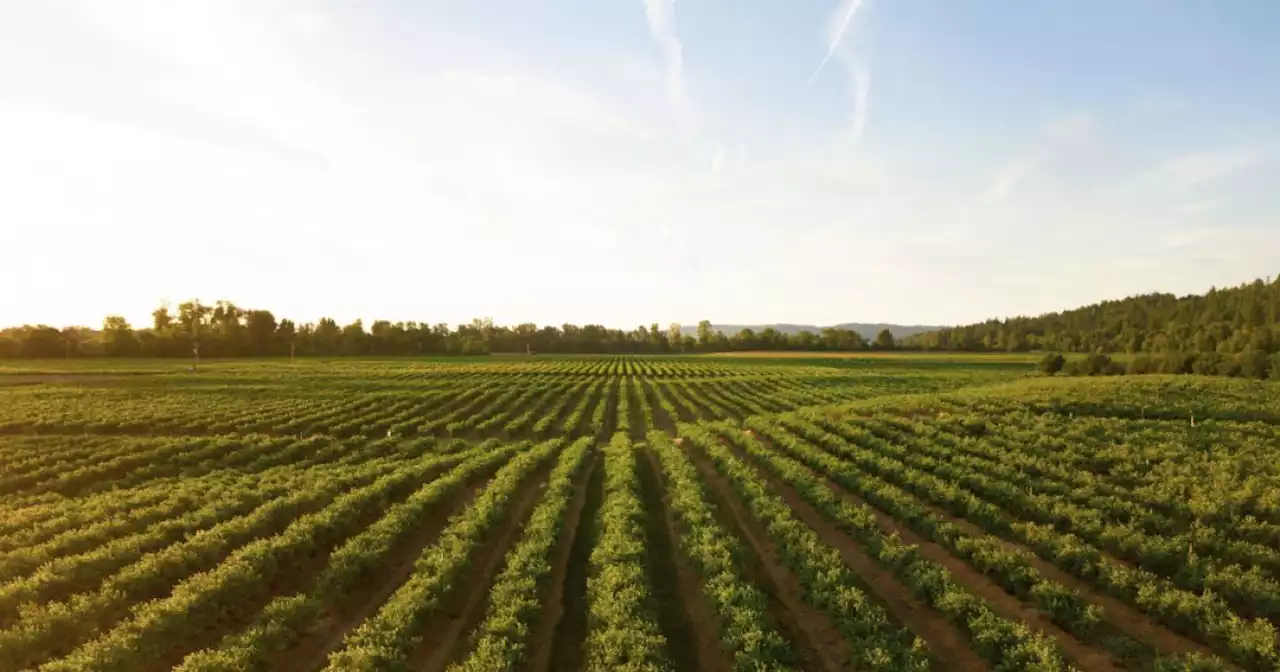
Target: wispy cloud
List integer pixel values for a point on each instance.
(717, 160)
(860, 83)
(1058, 137)
(839, 22)
(1191, 170)
(1197, 207)
(539, 99)
(1007, 180)
(660, 15)
(837, 25)
(1076, 129)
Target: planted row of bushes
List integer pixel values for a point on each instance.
(1256, 364)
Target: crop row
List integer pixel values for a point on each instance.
(1205, 617)
(389, 637)
(130, 617)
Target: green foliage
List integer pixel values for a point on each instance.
(246, 510)
(828, 583)
(622, 631)
(1051, 363)
(1209, 363)
(285, 620)
(227, 330)
(386, 639)
(1007, 644)
(1228, 320)
(745, 628)
(1254, 364)
(517, 598)
(1095, 364)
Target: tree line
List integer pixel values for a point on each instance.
(224, 329)
(1224, 321)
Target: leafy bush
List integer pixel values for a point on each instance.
(1207, 363)
(1051, 363)
(1176, 362)
(1274, 373)
(1096, 364)
(1141, 364)
(1253, 364)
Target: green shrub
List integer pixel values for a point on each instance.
(1051, 363)
(1142, 364)
(1253, 364)
(1207, 363)
(1274, 368)
(1176, 362)
(1096, 364)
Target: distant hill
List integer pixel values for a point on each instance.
(868, 331)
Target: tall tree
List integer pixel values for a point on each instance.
(260, 330)
(118, 338)
(705, 334)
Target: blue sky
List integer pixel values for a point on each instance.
(626, 162)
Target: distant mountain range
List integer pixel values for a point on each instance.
(868, 331)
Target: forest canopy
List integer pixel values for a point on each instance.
(1227, 321)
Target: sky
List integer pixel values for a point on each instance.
(623, 162)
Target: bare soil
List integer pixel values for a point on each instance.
(682, 412)
(564, 411)
(543, 643)
(567, 651)
(945, 639)
(327, 634)
(699, 409)
(610, 400)
(664, 422)
(686, 620)
(1123, 617)
(634, 413)
(294, 579)
(993, 594)
(446, 636)
(818, 642)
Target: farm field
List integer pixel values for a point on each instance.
(635, 513)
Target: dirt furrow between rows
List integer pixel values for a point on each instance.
(1123, 617)
(565, 650)
(687, 621)
(663, 421)
(554, 609)
(817, 641)
(446, 635)
(946, 640)
(311, 652)
(298, 578)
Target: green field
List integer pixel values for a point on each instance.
(738, 512)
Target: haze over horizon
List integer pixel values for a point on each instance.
(812, 162)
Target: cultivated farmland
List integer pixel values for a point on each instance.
(635, 513)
